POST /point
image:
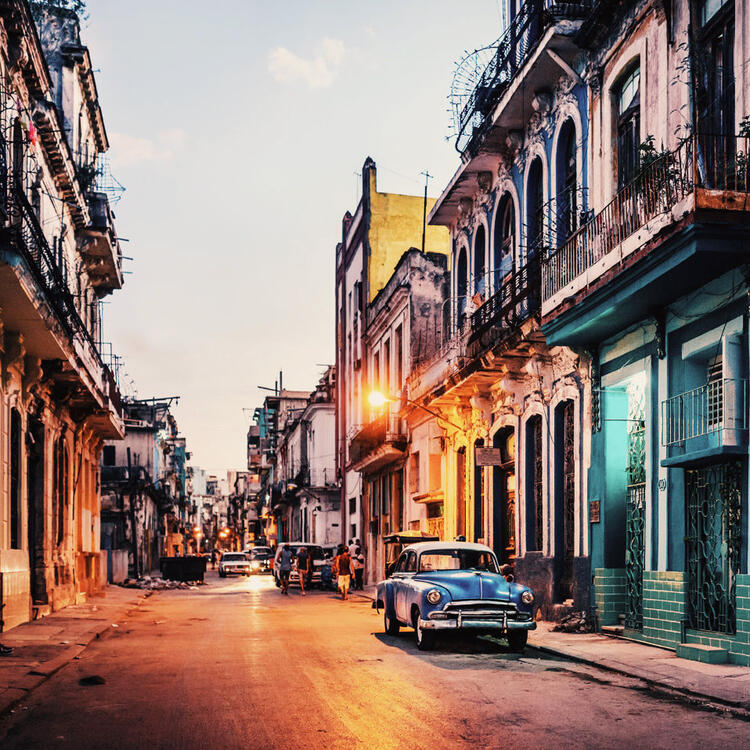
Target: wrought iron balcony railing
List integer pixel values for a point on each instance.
(716, 407)
(23, 232)
(512, 50)
(516, 300)
(706, 162)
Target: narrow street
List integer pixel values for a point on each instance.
(236, 665)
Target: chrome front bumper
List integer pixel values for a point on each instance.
(456, 619)
(475, 624)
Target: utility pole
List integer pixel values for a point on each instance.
(427, 177)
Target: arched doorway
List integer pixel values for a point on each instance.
(478, 495)
(565, 484)
(535, 230)
(36, 516)
(504, 250)
(462, 287)
(480, 262)
(568, 198)
(461, 492)
(504, 496)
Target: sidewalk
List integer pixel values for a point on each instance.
(726, 684)
(44, 646)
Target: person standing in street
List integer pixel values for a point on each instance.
(358, 564)
(303, 568)
(285, 568)
(344, 571)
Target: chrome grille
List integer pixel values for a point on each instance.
(487, 606)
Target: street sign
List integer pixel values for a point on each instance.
(488, 456)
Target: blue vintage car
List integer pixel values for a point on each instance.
(454, 586)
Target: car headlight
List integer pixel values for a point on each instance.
(527, 597)
(433, 596)
(255, 565)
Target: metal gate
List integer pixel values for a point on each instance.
(712, 545)
(635, 518)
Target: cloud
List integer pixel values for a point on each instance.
(317, 72)
(128, 149)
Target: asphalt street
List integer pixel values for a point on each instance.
(235, 664)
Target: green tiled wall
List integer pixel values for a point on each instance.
(738, 645)
(663, 607)
(609, 594)
(664, 610)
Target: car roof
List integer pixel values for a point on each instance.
(421, 547)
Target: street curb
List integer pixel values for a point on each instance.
(740, 710)
(48, 669)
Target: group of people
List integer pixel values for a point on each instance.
(347, 568)
(304, 568)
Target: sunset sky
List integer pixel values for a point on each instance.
(237, 128)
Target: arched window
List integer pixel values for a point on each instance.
(480, 263)
(568, 198)
(505, 240)
(628, 105)
(462, 286)
(535, 235)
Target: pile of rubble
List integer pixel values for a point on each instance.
(575, 622)
(158, 584)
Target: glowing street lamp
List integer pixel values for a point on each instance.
(377, 400)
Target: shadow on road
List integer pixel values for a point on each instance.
(462, 651)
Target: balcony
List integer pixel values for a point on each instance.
(379, 443)
(701, 424)
(495, 323)
(517, 299)
(682, 215)
(429, 373)
(100, 247)
(510, 54)
(39, 304)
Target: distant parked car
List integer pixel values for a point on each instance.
(454, 586)
(234, 563)
(260, 559)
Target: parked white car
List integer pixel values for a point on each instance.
(234, 563)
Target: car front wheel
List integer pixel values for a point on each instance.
(390, 624)
(517, 640)
(425, 638)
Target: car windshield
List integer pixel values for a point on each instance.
(261, 554)
(457, 559)
(234, 557)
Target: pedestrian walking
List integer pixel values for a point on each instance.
(358, 563)
(285, 568)
(214, 555)
(343, 564)
(303, 568)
